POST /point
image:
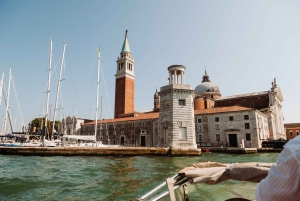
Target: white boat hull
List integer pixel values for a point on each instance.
(48, 143)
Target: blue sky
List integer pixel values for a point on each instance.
(242, 44)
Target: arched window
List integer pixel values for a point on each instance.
(252, 104)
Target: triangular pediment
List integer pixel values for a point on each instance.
(279, 94)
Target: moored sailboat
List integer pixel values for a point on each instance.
(49, 142)
(91, 140)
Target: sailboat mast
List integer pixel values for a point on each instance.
(48, 91)
(97, 97)
(7, 102)
(58, 87)
(101, 117)
(1, 87)
(73, 120)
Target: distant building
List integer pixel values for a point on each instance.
(184, 118)
(292, 130)
(71, 125)
(231, 126)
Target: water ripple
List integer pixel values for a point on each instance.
(110, 178)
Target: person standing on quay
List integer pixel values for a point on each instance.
(283, 180)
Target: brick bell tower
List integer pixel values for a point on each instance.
(124, 93)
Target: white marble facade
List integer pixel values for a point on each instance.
(176, 125)
(246, 128)
(72, 125)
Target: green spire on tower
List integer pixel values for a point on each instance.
(126, 47)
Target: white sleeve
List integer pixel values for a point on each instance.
(283, 180)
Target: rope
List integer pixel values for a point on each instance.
(87, 77)
(39, 61)
(18, 103)
(44, 89)
(77, 99)
(7, 111)
(107, 97)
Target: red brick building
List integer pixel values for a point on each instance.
(292, 130)
(124, 93)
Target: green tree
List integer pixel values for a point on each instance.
(37, 124)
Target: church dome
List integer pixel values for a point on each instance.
(206, 86)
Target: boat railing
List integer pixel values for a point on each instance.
(172, 183)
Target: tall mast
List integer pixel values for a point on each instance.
(97, 97)
(7, 103)
(1, 87)
(58, 86)
(48, 91)
(101, 117)
(73, 119)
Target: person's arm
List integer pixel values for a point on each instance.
(283, 180)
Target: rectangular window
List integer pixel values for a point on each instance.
(216, 119)
(200, 137)
(247, 126)
(143, 123)
(132, 124)
(246, 117)
(199, 121)
(230, 118)
(199, 128)
(182, 133)
(217, 137)
(217, 127)
(248, 136)
(181, 102)
(291, 133)
(132, 132)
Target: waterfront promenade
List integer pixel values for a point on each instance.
(126, 151)
(235, 150)
(98, 151)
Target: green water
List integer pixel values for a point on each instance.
(111, 178)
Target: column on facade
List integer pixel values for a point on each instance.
(175, 77)
(182, 77)
(170, 77)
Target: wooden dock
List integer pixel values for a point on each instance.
(98, 151)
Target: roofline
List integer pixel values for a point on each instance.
(242, 95)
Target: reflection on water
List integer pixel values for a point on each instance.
(111, 178)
